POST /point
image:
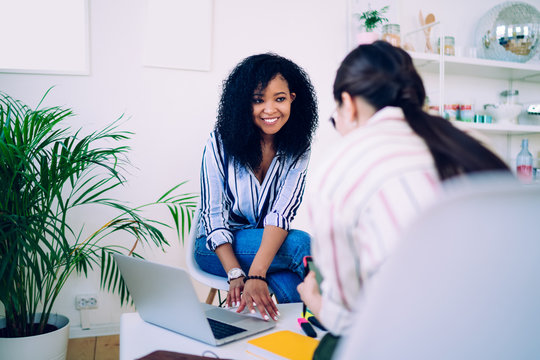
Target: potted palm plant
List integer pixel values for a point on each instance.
(369, 21)
(46, 172)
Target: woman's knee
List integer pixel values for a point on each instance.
(299, 242)
(207, 260)
(301, 235)
(283, 284)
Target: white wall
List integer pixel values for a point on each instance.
(172, 111)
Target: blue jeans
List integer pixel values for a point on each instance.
(286, 270)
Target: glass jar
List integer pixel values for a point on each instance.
(391, 33)
(449, 46)
(510, 97)
(466, 113)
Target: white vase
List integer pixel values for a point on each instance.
(367, 37)
(49, 346)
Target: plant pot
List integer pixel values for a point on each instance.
(367, 37)
(49, 346)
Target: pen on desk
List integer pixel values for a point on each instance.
(312, 319)
(306, 326)
(304, 310)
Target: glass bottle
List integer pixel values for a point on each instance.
(524, 163)
(391, 33)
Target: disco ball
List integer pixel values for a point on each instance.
(508, 32)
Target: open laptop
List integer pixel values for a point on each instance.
(164, 296)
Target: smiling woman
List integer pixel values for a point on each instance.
(252, 182)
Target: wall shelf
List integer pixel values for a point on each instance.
(500, 129)
(466, 66)
(474, 67)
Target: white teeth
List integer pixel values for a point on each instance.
(270, 121)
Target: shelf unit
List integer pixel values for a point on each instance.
(484, 68)
(494, 69)
(505, 136)
(500, 129)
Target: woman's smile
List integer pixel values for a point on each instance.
(272, 106)
(271, 120)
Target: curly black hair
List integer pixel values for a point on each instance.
(240, 137)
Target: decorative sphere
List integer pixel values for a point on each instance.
(509, 32)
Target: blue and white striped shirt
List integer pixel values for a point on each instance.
(232, 197)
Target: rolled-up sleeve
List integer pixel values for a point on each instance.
(214, 203)
(290, 193)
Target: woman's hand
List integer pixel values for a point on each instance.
(256, 294)
(255, 290)
(310, 294)
(235, 291)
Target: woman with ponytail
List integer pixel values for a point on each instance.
(385, 171)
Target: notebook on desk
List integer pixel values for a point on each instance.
(164, 296)
(282, 345)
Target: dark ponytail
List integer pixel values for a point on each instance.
(384, 75)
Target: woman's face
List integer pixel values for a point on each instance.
(272, 106)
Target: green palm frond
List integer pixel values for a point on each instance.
(47, 171)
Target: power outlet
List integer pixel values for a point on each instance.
(88, 301)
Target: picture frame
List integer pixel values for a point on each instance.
(45, 37)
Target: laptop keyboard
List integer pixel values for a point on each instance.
(222, 330)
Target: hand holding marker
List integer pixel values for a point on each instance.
(307, 315)
(312, 319)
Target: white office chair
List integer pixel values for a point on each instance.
(464, 282)
(215, 282)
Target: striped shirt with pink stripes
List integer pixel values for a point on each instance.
(364, 195)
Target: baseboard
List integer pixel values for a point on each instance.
(95, 330)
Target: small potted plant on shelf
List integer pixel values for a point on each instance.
(48, 172)
(369, 21)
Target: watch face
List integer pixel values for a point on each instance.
(235, 273)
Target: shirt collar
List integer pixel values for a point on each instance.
(387, 113)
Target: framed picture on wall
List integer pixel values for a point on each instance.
(44, 37)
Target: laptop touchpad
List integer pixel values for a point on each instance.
(224, 315)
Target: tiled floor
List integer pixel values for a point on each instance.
(94, 348)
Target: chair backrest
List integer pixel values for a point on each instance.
(214, 281)
(464, 283)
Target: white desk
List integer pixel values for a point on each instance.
(139, 338)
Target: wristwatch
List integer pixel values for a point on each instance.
(235, 273)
